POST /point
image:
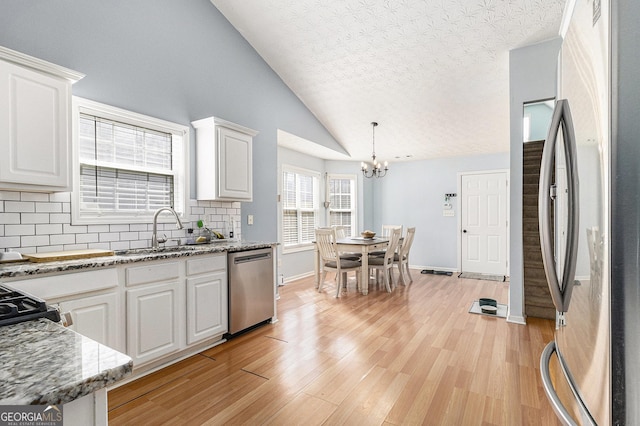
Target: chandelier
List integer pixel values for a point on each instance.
(376, 167)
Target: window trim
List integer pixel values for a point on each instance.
(317, 175)
(354, 211)
(86, 106)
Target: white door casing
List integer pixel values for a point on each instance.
(483, 222)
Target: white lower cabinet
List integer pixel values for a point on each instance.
(174, 304)
(205, 318)
(95, 317)
(92, 297)
(153, 321)
(155, 310)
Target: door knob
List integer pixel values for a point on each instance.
(464, 231)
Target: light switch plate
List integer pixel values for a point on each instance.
(250, 219)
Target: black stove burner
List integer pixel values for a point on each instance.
(16, 306)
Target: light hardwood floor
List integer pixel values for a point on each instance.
(415, 356)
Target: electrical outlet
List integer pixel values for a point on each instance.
(250, 219)
(448, 213)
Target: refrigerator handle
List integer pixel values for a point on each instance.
(560, 292)
(547, 384)
(544, 208)
(571, 156)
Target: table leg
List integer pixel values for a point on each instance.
(316, 264)
(364, 274)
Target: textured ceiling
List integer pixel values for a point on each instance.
(434, 74)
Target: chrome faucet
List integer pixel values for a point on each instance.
(154, 236)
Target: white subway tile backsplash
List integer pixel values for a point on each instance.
(19, 206)
(9, 218)
(128, 236)
(35, 218)
(39, 222)
(74, 229)
(120, 245)
(109, 236)
(62, 197)
(60, 218)
(98, 228)
(34, 196)
(20, 230)
(9, 195)
(9, 242)
(55, 228)
(35, 240)
(62, 239)
(48, 207)
(139, 244)
(86, 238)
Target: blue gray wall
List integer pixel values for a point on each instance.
(539, 120)
(175, 60)
(412, 194)
(532, 77)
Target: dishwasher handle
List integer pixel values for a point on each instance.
(251, 258)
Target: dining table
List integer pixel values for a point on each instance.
(362, 245)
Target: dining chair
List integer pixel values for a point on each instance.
(388, 229)
(341, 232)
(386, 233)
(330, 258)
(385, 263)
(401, 259)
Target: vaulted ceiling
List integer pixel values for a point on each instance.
(434, 73)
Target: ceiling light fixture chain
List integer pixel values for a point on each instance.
(376, 169)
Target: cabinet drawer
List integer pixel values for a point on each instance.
(207, 264)
(53, 287)
(152, 273)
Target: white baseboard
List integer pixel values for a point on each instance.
(297, 277)
(516, 319)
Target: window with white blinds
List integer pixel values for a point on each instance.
(128, 165)
(299, 206)
(342, 197)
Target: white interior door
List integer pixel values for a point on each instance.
(483, 221)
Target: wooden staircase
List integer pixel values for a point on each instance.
(537, 299)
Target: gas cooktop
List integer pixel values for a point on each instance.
(17, 306)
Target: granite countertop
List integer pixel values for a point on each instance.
(42, 362)
(127, 256)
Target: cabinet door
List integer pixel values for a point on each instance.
(206, 306)
(34, 129)
(235, 165)
(95, 317)
(153, 321)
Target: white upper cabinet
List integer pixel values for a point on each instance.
(35, 123)
(223, 160)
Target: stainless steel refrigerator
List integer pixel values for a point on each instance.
(589, 209)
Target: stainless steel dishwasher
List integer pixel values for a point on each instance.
(251, 288)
